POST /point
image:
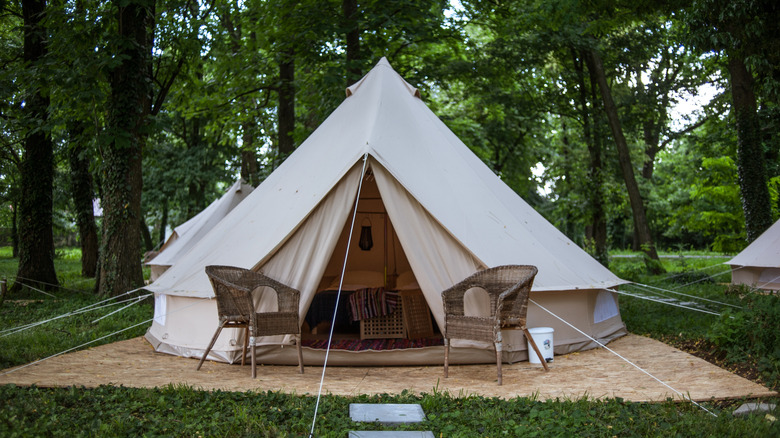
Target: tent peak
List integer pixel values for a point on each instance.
(383, 63)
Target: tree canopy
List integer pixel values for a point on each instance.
(627, 125)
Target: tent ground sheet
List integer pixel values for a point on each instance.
(595, 374)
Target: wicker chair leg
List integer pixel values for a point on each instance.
(298, 342)
(446, 357)
(246, 345)
(536, 349)
(254, 364)
(211, 344)
(498, 363)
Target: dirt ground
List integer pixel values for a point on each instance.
(595, 374)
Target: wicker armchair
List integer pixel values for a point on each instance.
(508, 288)
(233, 289)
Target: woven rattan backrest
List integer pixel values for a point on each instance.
(507, 286)
(233, 288)
(513, 302)
(234, 302)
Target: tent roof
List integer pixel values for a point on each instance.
(189, 233)
(763, 252)
(384, 118)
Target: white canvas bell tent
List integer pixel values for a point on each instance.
(437, 213)
(758, 265)
(186, 235)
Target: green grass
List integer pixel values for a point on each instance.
(184, 411)
(28, 306)
(699, 277)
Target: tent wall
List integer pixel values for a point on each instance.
(186, 235)
(177, 335)
(756, 276)
(437, 259)
(301, 260)
(184, 326)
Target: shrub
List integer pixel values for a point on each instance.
(752, 334)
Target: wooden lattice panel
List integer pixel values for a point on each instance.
(417, 315)
(388, 326)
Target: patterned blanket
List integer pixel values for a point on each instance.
(372, 302)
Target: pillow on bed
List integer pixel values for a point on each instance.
(406, 281)
(354, 280)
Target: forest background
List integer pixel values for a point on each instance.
(627, 124)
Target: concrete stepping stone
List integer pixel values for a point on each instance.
(754, 408)
(388, 414)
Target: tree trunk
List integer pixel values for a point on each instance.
(651, 131)
(197, 187)
(567, 225)
(756, 202)
(163, 224)
(596, 170)
(14, 232)
(120, 257)
(635, 198)
(250, 171)
(146, 236)
(353, 71)
(36, 239)
(81, 187)
(197, 197)
(286, 103)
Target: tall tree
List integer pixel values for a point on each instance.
(120, 255)
(36, 239)
(590, 133)
(353, 61)
(595, 65)
(747, 32)
(82, 192)
(77, 104)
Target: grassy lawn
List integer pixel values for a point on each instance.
(83, 329)
(184, 411)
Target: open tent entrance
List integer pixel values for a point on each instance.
(381, 305)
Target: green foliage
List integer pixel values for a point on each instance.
(714, 211)
(696, 186)
(751, 334)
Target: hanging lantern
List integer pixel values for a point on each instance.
(366, 242)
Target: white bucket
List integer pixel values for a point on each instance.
(543, 337)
